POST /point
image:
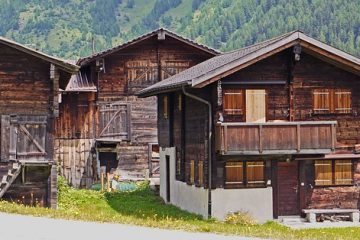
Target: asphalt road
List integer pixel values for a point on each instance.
(18, 227)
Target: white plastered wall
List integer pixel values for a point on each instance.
(255, 201)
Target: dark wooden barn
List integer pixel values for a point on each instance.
(102, 123)
(29, 104)
(271, 128)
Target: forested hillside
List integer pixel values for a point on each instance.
(66, 27)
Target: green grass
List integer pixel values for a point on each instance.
(142, 207)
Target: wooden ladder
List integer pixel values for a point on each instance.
(9, 178)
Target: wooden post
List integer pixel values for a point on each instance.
(333, 137)
(102, 181)
(108, 182)
(260, 139)
(225, 139)
(298, 137)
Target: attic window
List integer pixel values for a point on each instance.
(327, 101)
(234, 101)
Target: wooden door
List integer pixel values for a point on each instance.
(256, 105)
(24, 138)
(115, 121)
(288, 188)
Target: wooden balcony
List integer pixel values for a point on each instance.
(311, 137)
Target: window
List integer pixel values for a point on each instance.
(165, 107)
(233, 101)
(332, 101)
(245, 173)
(333, 172)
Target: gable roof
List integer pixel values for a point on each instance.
(227, 63)
(86, 60)
(60, 63)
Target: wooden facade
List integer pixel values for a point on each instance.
(275, 119)
(29, 90)
(112, 118)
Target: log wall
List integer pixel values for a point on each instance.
(29, 92)
(126, 72)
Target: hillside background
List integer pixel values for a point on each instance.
(66, 28)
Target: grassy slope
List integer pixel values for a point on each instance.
(143, 208)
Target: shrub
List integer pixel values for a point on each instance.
(241, 218)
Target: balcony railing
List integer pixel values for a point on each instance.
(310, 137)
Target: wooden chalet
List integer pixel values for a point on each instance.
(29, 104)
(103, 125)
(272, 129)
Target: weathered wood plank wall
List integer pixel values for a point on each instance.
(28, 104)
(126, 71)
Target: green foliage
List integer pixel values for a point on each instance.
(65, 27)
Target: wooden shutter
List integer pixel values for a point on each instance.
(256, 105)
(192, 171)
(323, 172)
(200, 172)
(115, 121)
(343, 172)
(5, 136)
(234, 173)
(321, 101)
(233, 101)
(342, 101)
(165, 107)
(255, 173)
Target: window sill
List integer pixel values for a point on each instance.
(227, 186)
(342, 185)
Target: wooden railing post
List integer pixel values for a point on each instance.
(225, 139)
(333, 137)
(260, 138)
(298, 145)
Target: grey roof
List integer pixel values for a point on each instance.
(216, 67)
(80, 82)
(86, 60)
(61, 63)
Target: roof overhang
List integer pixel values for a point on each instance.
(58, 62)
(311, 46)
(161, 31)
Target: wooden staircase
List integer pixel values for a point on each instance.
(8, 174)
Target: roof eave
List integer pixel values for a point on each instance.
(62, 64)
(156, 91)
(91, 58)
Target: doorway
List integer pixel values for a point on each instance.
(255, 105)
(167, 178)
(108, 160)
(288, 188)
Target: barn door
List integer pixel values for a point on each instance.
(115, 121)
(256, 105)
(23, 138)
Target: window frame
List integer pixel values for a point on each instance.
(333, 108)
(333, 173)
(245, 182)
